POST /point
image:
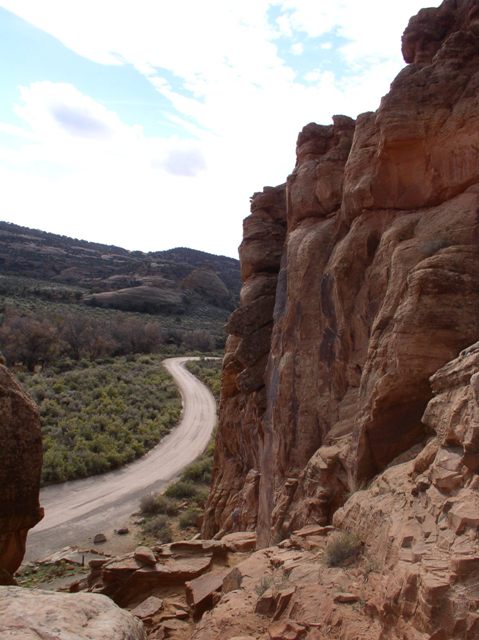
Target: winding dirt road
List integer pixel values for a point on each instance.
(75, 511)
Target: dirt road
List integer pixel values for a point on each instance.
(75, 511)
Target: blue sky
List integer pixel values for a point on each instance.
(148, 124)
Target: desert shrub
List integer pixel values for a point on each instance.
(343, 547)
(201, 496)
(189, 518)
(198, 471)
(182, 490)
(148, 504)
(158, 528)
(155, 504)
(97, 418)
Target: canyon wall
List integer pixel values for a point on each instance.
(360, 282)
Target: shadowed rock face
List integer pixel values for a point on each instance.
(361, 280)
(20, 467)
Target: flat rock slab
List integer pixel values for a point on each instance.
(240, 541)
(129, 580)
(74, 556)
(313, 530)
(200, 592)
(148, 608)
(29, 615)
(192, 547)
(286, 630)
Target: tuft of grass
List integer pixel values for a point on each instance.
(343, 548)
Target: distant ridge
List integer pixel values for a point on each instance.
(175, 281)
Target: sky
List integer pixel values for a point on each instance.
(148, 124)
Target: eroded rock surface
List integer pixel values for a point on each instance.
(20, 468)
(28, 615)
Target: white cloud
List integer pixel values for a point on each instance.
(297, 48)
(239, 104)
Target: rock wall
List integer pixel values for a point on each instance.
(20, 468)
(361, 280)
(233, 504)
(420, 518)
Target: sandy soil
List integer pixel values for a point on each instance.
(76, 511)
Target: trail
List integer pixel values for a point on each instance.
(75, 511)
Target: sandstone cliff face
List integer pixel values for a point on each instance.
(361, 281)
(20, 467)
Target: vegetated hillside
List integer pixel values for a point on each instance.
(176, 281)
(61, 297)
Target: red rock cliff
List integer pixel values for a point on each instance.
(20, 468)
(361, 281)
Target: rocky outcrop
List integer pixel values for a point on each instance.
(421, 517)
(27, 614)
(144, 299)
(232, 504)
(412, 573)
(327, 373)
(20, 467)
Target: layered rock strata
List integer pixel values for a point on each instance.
(327, 371)
(20, 468)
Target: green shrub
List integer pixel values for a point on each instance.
(343, 548)
(189, 518)
(199, 471)
(159, 528)
(182, 490)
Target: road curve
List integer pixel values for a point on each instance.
(77, 510)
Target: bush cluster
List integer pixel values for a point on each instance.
(103, 415)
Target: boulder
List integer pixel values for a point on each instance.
(31, 614)
(20, 468)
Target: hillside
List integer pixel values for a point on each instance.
(80, 291)
(170, 281)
